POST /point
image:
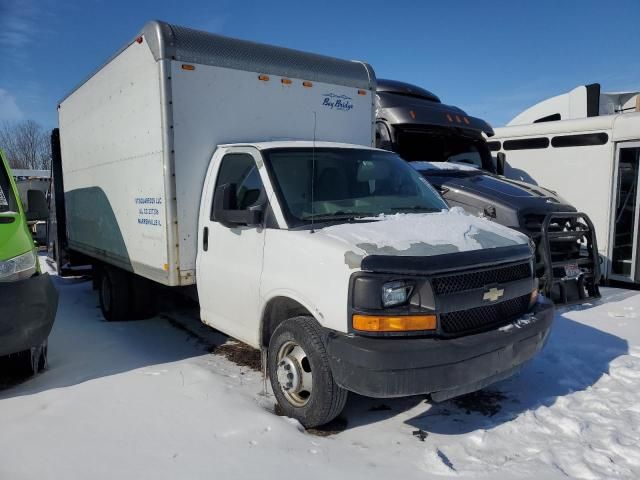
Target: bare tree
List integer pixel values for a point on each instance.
(26, 145)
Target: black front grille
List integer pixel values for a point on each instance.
(479, 279)
(478, 318)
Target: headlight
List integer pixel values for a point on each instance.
(396, 293)
(18, 268)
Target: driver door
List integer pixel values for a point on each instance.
(229, 263)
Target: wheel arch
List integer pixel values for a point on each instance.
(276, 310)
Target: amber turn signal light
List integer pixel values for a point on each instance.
(403, 323)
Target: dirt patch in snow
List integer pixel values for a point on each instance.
(240, 354)
(484, 402)
(337, 425)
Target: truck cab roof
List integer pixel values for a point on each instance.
(296, 144)
(407, 105)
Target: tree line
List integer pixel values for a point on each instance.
(26, 144)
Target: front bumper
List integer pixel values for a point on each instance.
(445, 368)
(27, 311)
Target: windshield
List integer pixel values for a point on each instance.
(347, 184)
(7, 200)
(431, 147)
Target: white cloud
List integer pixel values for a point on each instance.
(9, 109)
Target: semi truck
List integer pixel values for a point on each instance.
(450, 148)
(28, 299)
(245, 174)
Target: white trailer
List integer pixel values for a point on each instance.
(586, 146)
(191, 156)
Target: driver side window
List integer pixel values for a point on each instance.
(241, 169)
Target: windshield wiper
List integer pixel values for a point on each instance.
(416, 209)
(335, 216)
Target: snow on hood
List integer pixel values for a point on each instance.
(420, 166)
(425, 234)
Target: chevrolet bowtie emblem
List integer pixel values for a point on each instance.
(493, 294)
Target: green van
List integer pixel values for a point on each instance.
(28, 299)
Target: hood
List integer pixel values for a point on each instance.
(422, 235)
(492, 188)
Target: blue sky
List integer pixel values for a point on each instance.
(492, 58)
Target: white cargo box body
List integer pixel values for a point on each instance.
(137, 136)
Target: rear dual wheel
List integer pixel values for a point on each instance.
(114, 294)
(124, 296)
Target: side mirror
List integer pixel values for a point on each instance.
(37, 204)
(501, 158)
(225, 210)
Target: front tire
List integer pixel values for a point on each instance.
(300, 373)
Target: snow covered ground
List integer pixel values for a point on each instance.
(144, 399)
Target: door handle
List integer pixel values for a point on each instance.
(205, 239)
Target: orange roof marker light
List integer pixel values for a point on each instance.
(466, 120)
(449, 117)
(307, 84)
(286, 81)
(264, 78)
(362, 92)
(186, 66)
(413, 114)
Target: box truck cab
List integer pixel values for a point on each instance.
(28, 300)
(246, 171)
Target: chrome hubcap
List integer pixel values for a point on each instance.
(294, 374)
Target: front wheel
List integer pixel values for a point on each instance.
(300, 373)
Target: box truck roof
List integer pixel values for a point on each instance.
(173, 42)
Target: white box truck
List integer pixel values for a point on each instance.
(247, 170)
